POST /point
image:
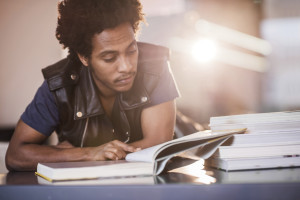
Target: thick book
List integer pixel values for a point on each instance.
(258, 122)
(271, 117)
(287, 149)
(127, 180)
(264, 138)
(232, 164)
(149, 161)
(279, 175)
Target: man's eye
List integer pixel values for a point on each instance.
(109, 60)
(132, 51)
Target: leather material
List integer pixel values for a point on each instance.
(82, 119)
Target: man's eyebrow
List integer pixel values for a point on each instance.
(104, 53)
(131, 44)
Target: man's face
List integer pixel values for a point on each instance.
(114, 59)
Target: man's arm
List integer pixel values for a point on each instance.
(158, 124)
(26, 149)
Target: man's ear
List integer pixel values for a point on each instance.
(83, 59)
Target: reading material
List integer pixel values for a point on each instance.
(149, 161)
(287, 149)
(272, 140)
(231, 164)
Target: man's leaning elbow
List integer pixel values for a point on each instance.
(8, 163)
(11, 163)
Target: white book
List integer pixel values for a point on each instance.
(258, 127)
(257, 151)
(231, 164)
(149, 161)
(264, 138)
(270, 175)
(273, 121)
(274, 134)
(136, 180)
(271, 117)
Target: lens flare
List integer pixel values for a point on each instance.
(204, 50)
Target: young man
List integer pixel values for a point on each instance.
(110, 96)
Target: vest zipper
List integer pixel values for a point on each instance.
(84, 132)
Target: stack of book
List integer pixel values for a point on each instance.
(272, 140)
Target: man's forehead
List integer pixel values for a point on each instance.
(120, 36)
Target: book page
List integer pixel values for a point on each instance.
(205, 149)
(149, 154)
(145, 155)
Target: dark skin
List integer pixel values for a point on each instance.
(114, 63)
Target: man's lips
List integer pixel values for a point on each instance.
(125, 80)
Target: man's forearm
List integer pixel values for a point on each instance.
(28, 156)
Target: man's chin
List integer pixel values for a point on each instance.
(124, 88)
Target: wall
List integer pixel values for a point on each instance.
(213, 88)
(281, 27)
(28, 44)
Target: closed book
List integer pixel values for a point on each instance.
(272, 140)
(233, 164)
(264, 138)
(292, 149)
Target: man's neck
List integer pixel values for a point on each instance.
(107, 103)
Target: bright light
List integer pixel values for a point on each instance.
(196, 169)
(204, 50)
(234, 37)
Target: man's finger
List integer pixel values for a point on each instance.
(110, 155)
(119, 152)
(125, 147)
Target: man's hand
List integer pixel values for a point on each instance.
(114, 150)
(26, 150)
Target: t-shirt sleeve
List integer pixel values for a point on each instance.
(166, 89)
(42, 113)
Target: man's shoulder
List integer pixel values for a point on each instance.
(152, 58)
(149, 52)
(62, 73)
(62, 66)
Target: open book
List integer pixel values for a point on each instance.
(149, 161)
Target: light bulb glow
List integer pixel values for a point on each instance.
(204, 50)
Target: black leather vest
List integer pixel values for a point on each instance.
(82, 118)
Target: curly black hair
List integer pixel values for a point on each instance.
(80, 20)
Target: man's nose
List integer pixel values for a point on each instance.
(124, 65)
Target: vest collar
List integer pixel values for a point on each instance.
(87, 103)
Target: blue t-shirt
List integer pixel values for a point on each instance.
(42, 113)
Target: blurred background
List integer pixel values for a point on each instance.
(228, 56)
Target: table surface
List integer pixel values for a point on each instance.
(183, 179)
